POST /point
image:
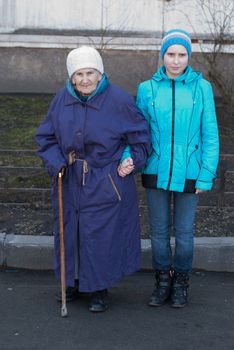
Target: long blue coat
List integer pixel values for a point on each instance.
(100, 208)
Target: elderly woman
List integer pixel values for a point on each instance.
(85, 133)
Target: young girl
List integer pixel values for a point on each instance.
(179, 107)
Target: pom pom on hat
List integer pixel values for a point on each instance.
(84, 57)
(176, 37)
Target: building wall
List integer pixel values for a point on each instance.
(30, 70)
(79, 14)
(121, 15)
(36, 35)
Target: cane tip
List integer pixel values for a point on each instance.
(64, 311)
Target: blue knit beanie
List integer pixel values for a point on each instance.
(176, 37)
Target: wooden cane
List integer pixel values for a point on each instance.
(62, 253)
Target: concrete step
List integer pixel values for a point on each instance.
(36, 197)
(23, 177)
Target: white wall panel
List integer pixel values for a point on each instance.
(122, 15)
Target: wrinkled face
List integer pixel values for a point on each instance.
(85, 80)
(175, 60)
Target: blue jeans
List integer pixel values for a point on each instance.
(184, 209)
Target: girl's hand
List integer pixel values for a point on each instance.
(126, 167)
(199, 191)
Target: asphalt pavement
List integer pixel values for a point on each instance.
(31, 318)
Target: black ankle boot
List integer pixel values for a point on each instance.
(99, 301)
(72, 293)
(162, 288)
(179, 294)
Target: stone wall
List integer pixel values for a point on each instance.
(43, 70)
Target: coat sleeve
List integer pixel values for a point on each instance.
(49, 149)
(136, 134)
(142, 101)
(126, 153)
(210, 140)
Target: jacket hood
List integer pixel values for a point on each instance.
(188, 75)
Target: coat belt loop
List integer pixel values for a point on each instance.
(85, 170)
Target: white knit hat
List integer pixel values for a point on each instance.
(84, 57)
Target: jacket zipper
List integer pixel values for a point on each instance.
(172, 132)
(114, 187)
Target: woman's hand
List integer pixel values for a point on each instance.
(199, 191)
(126, 167)
(71, 157)
(62, 171)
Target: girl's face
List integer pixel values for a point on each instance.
(175, 60)
(85, 80)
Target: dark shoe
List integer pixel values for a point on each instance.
(179, 295)
(162, 288)
(72, 293)
(99, 301)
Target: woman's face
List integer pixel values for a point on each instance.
(175, 60)
(85, 80)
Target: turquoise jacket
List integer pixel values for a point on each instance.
(184, 132)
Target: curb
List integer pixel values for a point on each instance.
(36, 252)
(210, 253)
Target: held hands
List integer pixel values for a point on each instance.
(62, 171)
(125, 167)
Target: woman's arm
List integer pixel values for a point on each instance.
(49, 149)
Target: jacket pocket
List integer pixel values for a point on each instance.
(114, 187)
(198, 160)
(193, 162)
(193, 148)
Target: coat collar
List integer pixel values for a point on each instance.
(95, 100)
